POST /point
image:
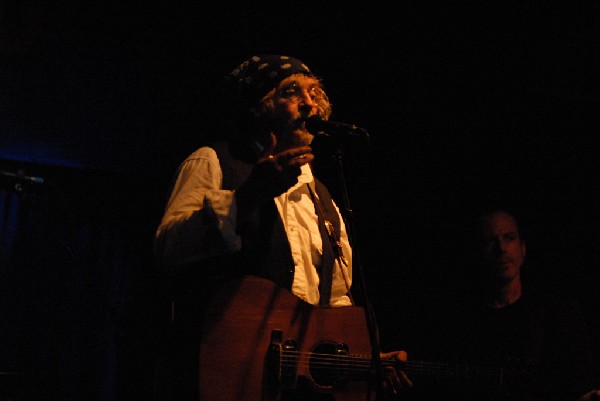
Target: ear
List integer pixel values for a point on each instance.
(524, 248)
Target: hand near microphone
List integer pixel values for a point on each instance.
(273, 174)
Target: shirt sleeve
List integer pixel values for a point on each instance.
(200, 218)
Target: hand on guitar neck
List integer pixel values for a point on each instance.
(396, 377)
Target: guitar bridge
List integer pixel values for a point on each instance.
(281, 362)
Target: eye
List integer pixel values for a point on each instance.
(295, 92)
(292, 91)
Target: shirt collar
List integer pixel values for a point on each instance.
(306, 174)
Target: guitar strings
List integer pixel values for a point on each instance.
(362, 364)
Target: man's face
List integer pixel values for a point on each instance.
(503, 252)
(296, 98)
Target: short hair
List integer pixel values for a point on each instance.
(488, 208)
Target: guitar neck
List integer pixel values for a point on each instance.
(359, 367)
(490, 377)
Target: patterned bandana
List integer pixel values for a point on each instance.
(259, 74)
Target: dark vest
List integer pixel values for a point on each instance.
(187, 291)
(265, 248)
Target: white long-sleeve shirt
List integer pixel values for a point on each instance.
(183, 232)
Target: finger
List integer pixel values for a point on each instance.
(294, 153)
(393, 382)
(398, 379)
(405, 382)
(290, 159)
(270, 148)
(398, 355)
(301, 160)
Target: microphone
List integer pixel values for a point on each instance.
(19, 177)
(317, 126)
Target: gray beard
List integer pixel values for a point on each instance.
(298, 138)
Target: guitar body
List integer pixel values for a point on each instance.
(243, 353)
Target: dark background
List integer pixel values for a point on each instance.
(462, 102)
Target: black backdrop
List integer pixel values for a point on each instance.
(462, 102)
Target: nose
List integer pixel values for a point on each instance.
(495, 246)
(307, 99)
(501, 246)
(307, 105)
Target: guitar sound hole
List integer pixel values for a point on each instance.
(328, 365)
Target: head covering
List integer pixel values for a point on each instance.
(255, 77)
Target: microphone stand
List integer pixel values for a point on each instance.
(358, 267)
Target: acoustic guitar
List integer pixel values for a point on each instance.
(260, 341)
